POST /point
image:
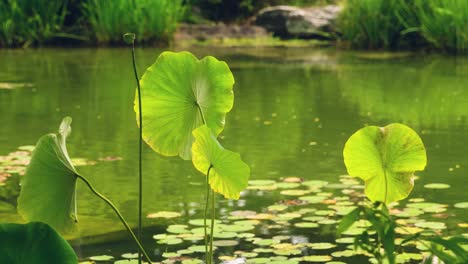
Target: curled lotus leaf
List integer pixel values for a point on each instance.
(48, 187)
(228, 174)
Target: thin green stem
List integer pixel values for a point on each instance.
(386, 187)
(117, 212)
(206, 214)
(213, 207)
(140, 151)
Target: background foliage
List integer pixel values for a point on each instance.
(406, 24)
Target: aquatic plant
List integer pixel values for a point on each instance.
(386, 159)
(186, 99)
(48, 188)
(31, 22)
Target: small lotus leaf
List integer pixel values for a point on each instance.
(228, 174)
(386, 159)
(179, 93)
(48, 187)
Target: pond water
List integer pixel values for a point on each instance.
(294, 109)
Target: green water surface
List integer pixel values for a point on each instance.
(293, 111)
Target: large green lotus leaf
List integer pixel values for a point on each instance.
(386, 159)
(229, 175)
(175, 90)
(48, 187)
(34, 243)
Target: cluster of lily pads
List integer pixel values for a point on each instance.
(298, 227)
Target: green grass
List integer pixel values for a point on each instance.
(27, 22)
(371, 23)
(444, 23)
(150, 20)
(393, 24)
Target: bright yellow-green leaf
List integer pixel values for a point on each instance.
(386, 159)
(228, 175)
(178, 92)
(48, 187)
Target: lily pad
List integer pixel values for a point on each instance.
(431, 225)
(462, 205)
(312, 199)
(323, 245)
(317, 258)
(315, 183)
(228, 174)
(386, 159)
(101, 258)
(164, 214)
(436, 186)
(48, 188)
(180, 93)
(226, 243)
(306, 225)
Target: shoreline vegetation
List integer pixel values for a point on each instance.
(362, 24)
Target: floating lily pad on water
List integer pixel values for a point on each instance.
(129, 261)
(225, 234)
(14, 85)
(199, 249)
(170, 241)
(437, 186)
(191, 261)
(306, 225)
(386, 159)
(312, 199)
(101, 258)
(323, 245)
(345, 240)
(462, 205)
(226, 243)
(238, 228)
(170, 255)
(164, 214)
(409, 212)
(315, 183)
(287, 185)
(317, 258)
(180, 94)
(277, 207)
(431, 225)
(265, 242)
(177, 229)
(130, 255)
(294, 192)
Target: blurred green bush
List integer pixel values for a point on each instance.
(394, 24)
